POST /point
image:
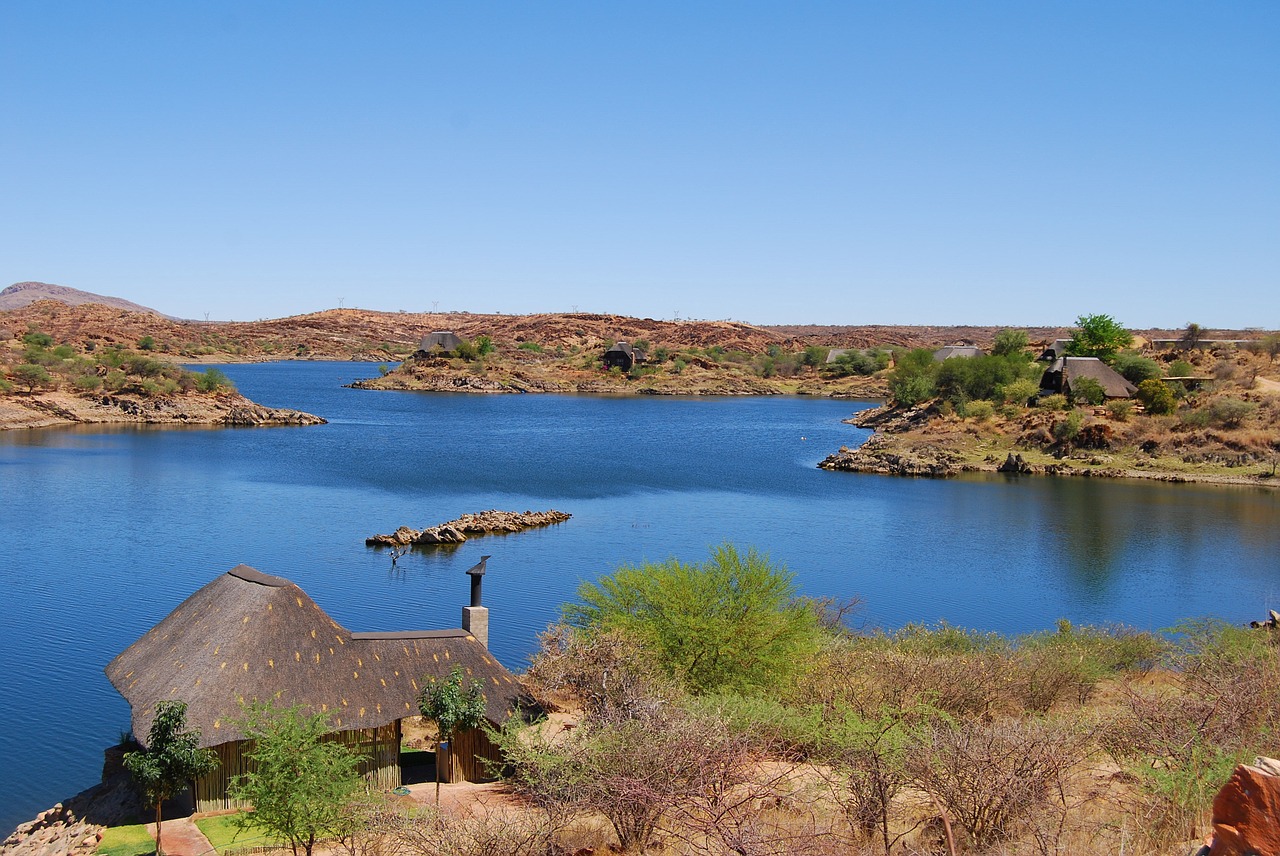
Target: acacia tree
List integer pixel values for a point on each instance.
(173, 758)
(301, 785)
(454, 706)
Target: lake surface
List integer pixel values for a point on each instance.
(104, 531)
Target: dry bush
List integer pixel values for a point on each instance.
(1183, 735)
(430, 832)
(607, 674)
(993, 777)
(694, 771)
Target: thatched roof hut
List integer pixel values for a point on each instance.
(1064, 372)
(248, 636)
(622, 355)
(444, 340)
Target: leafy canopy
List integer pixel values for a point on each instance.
(732, 623)
(453, 704)
(302, 786)
(1098, 336)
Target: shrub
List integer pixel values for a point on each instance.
(1120, 409)
(146, 343)
(1181, 368)
(1067, 428)
(213, 380)
(37, 339)
(1019, 391)
(1230, 412)
(1054, 402)
(1088, 390)
(979, 410)
(1156, 397)
(64, 352)
(1136, 369)
(532, 347)
(88, 382)
(732, 622)
(678, 366)
(856, 362)
(993, 777)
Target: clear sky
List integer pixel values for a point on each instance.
(783, 162)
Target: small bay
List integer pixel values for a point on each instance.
(105, 531)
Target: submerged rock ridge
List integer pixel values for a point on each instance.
(469, 525)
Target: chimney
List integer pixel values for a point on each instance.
(475, 618)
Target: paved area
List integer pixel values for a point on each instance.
(181, 837)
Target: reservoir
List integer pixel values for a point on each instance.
(105, 531)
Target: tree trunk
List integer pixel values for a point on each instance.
(159, 804)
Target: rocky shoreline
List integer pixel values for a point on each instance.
(54, 409)
(884, 453)
(469, 526)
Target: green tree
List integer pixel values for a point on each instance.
(1156, 397)
(146, 343)
(454, 706)
(1098, 336)
(301, 785)
(912, 378)
(32, 375)
(172, 759)
(1191, 337)
(732, 623)
(1009, 343)
(213, 380)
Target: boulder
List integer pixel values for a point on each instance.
(1014, 464)
(1246, 812)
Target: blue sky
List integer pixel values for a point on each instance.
(786, 162)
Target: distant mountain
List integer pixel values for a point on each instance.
(22, 294)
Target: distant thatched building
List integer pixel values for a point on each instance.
(957, 351)
(1055, 350)
(1064, 372)
(622, 356)
(442, 341)
(248, 636)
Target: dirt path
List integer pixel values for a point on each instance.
(181, 837)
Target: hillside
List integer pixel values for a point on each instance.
(22, 294)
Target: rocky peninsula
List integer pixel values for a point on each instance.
(54, 409)
(469, 526)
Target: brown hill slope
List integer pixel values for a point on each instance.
(22, 294)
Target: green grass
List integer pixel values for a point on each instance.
(132, 840)
(224, 834)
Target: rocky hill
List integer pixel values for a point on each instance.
(22, 294)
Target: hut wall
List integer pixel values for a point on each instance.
(379, 749)
(467, 756)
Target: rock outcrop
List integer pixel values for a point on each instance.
(74, 827)
(877, 456)
(44, 410)
(1246, 812)
(469, 525)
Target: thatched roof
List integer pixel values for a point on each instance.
(248, 636)
(1074, 368)
(957, 351)
(444, 339)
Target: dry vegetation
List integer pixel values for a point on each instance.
(1223, 427)
(1077, 741)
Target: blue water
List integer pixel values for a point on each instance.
(103, 532)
